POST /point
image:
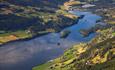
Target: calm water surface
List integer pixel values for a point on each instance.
(23, 55)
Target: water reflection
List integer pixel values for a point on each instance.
(26, 54)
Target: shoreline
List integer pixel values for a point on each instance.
(39, 35)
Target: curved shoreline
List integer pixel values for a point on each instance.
(38, 35)
(27, 49)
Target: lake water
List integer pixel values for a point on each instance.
(23, 55)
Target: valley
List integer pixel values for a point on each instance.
(57, 35)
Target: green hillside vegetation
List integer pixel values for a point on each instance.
(31, 20)
(98, 54)
(21, 19)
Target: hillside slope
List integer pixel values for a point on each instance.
(20, 19)
(98, 54)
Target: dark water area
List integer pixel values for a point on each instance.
(23, 55)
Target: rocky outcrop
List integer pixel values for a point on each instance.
(64, 34)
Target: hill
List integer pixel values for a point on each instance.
(98, 54)
(22, 19)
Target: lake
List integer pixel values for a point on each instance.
(23, 55)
